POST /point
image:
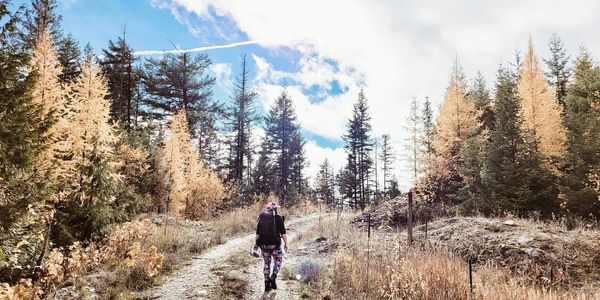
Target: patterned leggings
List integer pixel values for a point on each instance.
(269, 251)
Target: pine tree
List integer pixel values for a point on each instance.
(263, 176)
(541, 112)
(428, 131)
(413, 144)
(583, 124)
(512, 177)
(69, 57)
(325, 184)
(285, 150)
(242, 115)
(387, 159)
(23, 129)
(559, 70)
(359, 146)
(117, 66)
(345, 185)
(480, 95)
(473, 150)
(40, 17)
(181, 82)
(456, 123)
(394, 190)
(503, 177)
(89, 179)
(49, 94)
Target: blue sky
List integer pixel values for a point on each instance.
(324, 52)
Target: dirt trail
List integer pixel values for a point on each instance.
(196, 280)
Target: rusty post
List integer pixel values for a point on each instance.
(471, 276)
(409, 221)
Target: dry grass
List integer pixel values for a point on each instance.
(393, 271)
(239, 220)
(231, 284)
(527, 248)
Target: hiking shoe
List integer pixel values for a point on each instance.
(273, 284)
(267, 286)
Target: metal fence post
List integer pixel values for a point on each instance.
(409, 222)
(471, 276)
(368, 253)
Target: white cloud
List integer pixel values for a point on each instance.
(223, 75)
(336, 157)
(327, 117)
(394, 49)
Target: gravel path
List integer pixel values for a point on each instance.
(195, 281)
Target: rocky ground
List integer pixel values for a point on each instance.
(544, 252)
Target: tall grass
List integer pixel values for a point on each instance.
(399, 272)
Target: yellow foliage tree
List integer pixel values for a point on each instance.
(540, 110)
(191, 189)
(458, 116)
(49, 94)
(92, 136)
(457, 123)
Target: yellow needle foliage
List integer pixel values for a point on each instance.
(190, 189)
(49, 95)
(540, 110)
(92, 136)
(457, 121)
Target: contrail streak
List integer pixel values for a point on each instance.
(199, 49)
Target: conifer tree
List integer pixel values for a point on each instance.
(285, 150)
(359, 147)
(387, 160)
(413, 143)
(176, 82)
(242, 115)
(69, 57)
(480, 95)
(118, 67)
(263, 176)
(512, 178)
(49, 95)
(428, 130)
(456, 123)
(325, 184)
(559, 70)
(40, 17)
(582, 119)
(394, 190)
(541, 112)
(23, 129)
(189, 189)
(89, 179)
(503, 177)
(473, 150)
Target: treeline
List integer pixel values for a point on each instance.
(88, 141)
(530, 147)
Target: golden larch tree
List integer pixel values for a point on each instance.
(190, 189)
(456, 123)
(49, 94)
(540, 110)
(458, 116)
(92, 136)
